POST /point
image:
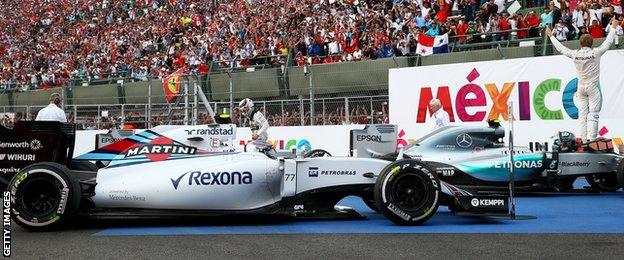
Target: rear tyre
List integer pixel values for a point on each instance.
(407, 192)
(606, 182)
(45, 196)
(317, 153)
(620, 173)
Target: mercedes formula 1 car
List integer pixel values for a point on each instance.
(192, 171)
(477, 158)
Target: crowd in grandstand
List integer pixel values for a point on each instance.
(46, 43)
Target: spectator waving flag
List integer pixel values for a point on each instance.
(171, 84)
(428, 45)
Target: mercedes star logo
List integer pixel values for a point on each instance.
(464, 140)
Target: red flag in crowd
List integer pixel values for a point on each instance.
(171, 85)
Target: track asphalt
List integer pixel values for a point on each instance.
(569, 226)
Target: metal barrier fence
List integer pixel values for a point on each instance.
(294, 112)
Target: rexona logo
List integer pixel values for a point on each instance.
(197, 178)
(159, 149)
(475, 97)
(211, 131)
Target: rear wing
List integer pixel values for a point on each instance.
(373, 141)
(34, 141)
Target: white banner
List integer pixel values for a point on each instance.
(540, 88)
(334, 139)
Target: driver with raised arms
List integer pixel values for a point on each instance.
(587, 62)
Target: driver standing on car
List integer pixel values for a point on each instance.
(587, 62)
(53, 111)
(259, 123)
(441, 117)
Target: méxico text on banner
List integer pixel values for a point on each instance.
(541, 88)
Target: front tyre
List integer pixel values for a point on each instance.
(407, 192)
(44, 196)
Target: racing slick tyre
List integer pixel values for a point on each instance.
(44, 196)
(620, 173)
(407, 192)
(606, 182)
(369, 200)
(317, 153)
(83, 166)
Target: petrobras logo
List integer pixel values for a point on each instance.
(313, 171)
(338, 172)
(470, 104)
(220, 131)
(529, 164)
(198, 178)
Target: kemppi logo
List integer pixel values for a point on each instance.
(475, 202)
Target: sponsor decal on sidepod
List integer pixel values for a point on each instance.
(314, 172)
(486, 202)
(213, 178)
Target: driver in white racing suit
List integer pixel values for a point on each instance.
(587, 62)
(259, 123)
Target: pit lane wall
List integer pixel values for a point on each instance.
(541, 89)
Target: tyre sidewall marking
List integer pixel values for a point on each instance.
(393, 208)
(62, 201)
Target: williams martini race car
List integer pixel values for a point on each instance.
(477, 158)
(192, 171)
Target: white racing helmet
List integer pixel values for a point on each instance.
(246, 105)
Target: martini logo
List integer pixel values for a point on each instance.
(160, 149)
